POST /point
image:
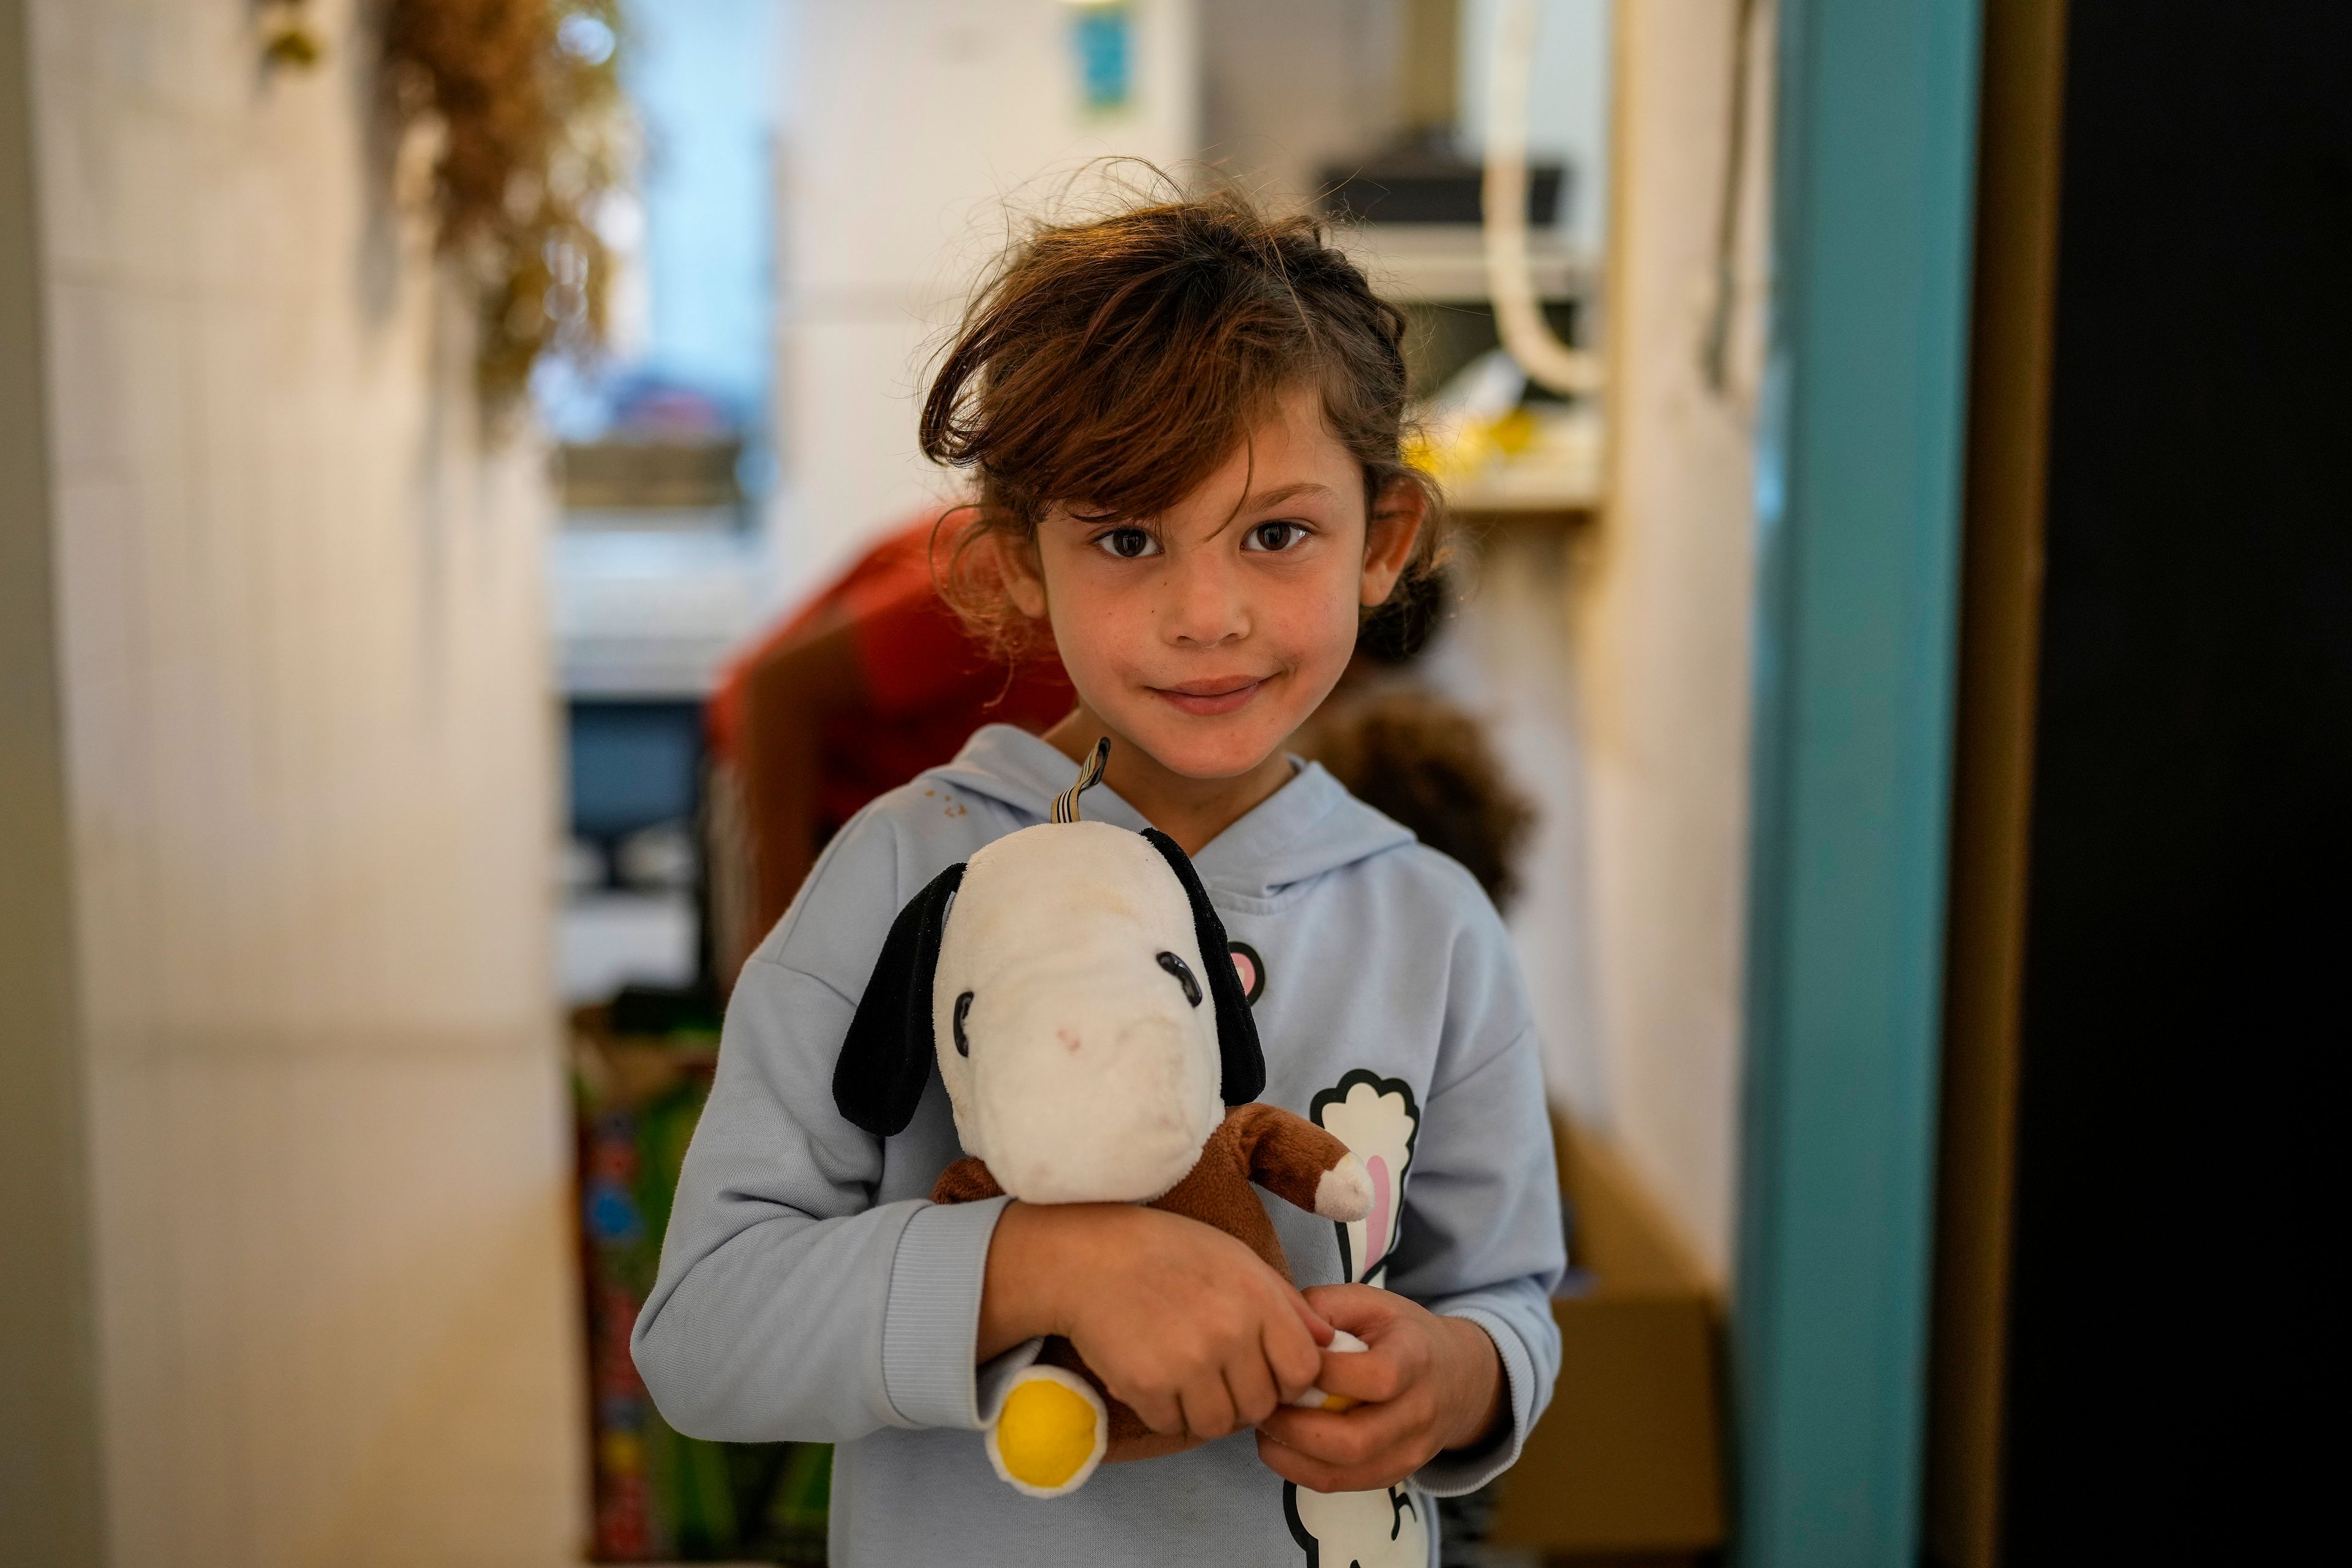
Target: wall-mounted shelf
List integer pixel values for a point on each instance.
(1513, 497)
(1444, 263)
(1558, 477)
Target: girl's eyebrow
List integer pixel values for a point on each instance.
(1276, 495)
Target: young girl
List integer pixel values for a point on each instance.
(1183, 421)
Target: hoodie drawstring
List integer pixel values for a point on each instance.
(1091, 773)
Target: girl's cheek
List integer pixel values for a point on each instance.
(1085, 611)
(1320, 627)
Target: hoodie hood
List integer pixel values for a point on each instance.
(1308, 827)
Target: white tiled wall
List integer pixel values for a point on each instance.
(309, 759)
(915, 132)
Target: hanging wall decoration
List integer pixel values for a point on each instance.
(533, 136)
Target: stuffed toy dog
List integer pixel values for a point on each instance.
(1075, 988)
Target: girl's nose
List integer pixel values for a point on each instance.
(1204, 605)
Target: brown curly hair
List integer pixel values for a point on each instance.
(1114, 363)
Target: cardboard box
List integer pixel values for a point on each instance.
(1628, 1460)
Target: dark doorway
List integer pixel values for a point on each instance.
(2170, 1297)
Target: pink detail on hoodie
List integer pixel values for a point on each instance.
(1376, 1224)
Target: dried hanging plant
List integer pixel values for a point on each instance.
(533, 131)
(288, 39)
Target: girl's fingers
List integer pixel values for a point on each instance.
(1324, 1435)
(1291, 1343)
(1371, 1375)
(1163, 1413)
(1362, 1310)
(1319, 1474)
(1249, 1383)
(1342, 1439)
(1294, 1360)
(1295, 1467)
(1319, 1328)
(1208, 1408)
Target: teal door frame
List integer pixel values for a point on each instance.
(1858, 507)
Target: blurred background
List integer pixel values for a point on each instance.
(460, 491)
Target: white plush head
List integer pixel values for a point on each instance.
(1071, 1019)
(1075, 989)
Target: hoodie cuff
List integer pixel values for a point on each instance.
(996, 1379)
(931, 1321)
(1460, 1470)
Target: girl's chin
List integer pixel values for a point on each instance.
(1220, 748)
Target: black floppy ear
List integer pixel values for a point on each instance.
(886, 1059)
(1243, 1059)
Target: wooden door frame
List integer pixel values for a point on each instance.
(2020, 148)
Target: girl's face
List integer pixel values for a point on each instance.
(1207, 635)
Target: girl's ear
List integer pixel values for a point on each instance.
(1238, 1051)
(1399, 514)
(886, 1059)
(1024, 579)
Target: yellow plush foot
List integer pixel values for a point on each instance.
(1050, 1434)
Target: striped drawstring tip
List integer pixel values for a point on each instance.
(1091, 773)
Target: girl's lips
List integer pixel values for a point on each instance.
(1206, 700)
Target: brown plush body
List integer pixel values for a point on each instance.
(1286, 1154)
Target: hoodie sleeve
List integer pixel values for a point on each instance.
(1482, 1237)
(789, 1305)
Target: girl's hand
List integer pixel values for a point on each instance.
(1428, 1384)
(1182, 1323)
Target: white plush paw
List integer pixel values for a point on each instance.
(1344, 1191)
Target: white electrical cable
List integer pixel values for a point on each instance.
(1509, 280)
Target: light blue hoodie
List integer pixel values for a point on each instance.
(810, 1291)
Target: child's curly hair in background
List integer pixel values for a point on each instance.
(1112, 365)
(1421, 761)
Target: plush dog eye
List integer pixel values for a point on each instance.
(963, 1005)
(1183, 973)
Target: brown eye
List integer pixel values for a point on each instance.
(1183, 973)
(1275, 537)
(1128, 543)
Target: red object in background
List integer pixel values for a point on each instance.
(929, 684)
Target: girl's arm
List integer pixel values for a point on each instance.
(790, 1304)
(1481, 1248)
(1483, 1243)
(1182, 1323)
(1482, 1240)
